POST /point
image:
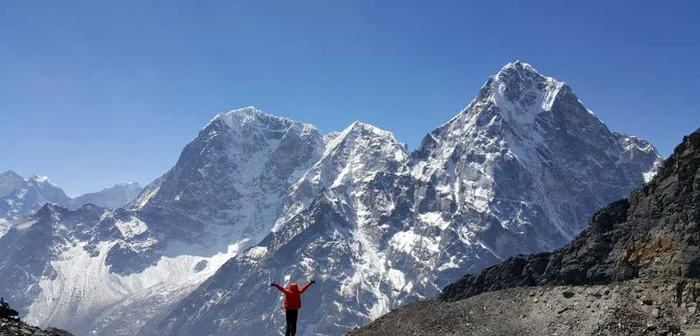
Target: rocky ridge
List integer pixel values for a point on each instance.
(19, 328)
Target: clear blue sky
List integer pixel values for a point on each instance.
(97, 92)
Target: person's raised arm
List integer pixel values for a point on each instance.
(303, 289)
(281, 289)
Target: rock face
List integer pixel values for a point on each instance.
(235, 173)
(18, 328)
(649, 242)
(519, 170)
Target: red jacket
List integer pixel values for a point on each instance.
(292, 295)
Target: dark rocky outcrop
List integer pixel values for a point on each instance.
(11, 325)
(18, 328)
(6, 312)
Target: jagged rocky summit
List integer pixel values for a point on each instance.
(633, 271)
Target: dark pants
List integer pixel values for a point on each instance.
(292, 315)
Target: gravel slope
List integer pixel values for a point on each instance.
(628, 308)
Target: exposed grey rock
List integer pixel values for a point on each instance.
(18, 328)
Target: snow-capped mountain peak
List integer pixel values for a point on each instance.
(239, 114)
(10, 174)
(632, 143)
(360, 129)
(521, 68)
(10, 181)
(237, 146)
(522, 93)
(360, 126)
(251, 116)
(352, 157)
(641, 154)
(42, 180)
(359, 152)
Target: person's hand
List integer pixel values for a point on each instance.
(312, 282)
(272, 284)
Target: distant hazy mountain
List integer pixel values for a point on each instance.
(10, 181)
(28, 195)
(117, 196)
(20, 197)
